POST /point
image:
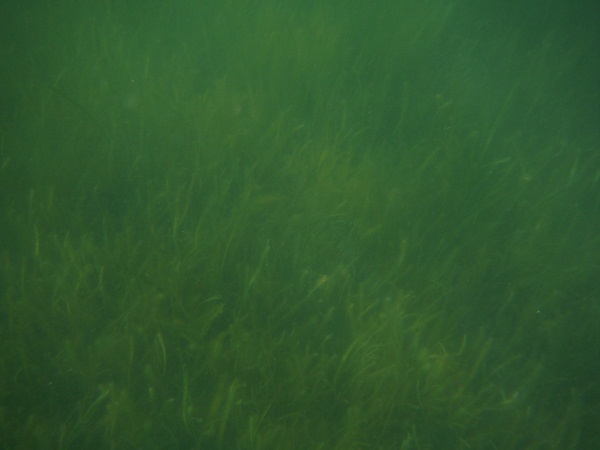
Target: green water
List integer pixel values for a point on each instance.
(299, 225)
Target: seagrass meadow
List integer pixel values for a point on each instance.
(299, 225)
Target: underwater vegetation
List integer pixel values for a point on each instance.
(266, 226)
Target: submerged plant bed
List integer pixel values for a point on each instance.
(267, 226)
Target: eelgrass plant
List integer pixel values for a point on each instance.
(266, 229)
